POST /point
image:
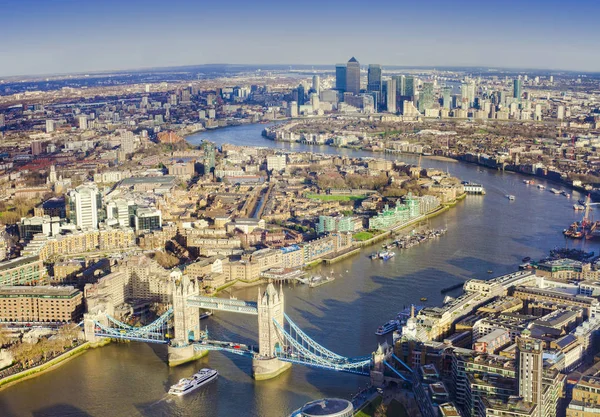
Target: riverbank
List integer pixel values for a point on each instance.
(45, 367)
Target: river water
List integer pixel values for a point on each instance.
(484, 233)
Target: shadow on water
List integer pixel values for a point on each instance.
(60, 410)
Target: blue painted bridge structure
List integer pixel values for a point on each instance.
(280, 340)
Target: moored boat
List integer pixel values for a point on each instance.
(387, 327)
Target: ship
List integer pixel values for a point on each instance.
(510, 197)
(206, 315)
(541, 187)
(586, 228)
(578, 207)
(187, 385)
(374, 256)
(319, 280)
(387, 327)
(385, 255)
(555, 191)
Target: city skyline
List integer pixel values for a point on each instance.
(62, 38)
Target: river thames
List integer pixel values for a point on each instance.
(484, 233)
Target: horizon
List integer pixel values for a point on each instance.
(385, 68)
(67, 37)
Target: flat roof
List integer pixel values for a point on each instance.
(14, 263)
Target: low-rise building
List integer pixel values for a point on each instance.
(40, 304)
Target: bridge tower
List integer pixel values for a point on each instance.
(186, 321)
(270, 307)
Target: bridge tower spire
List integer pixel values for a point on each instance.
(270, 306)
(186, 320)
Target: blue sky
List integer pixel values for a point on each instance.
(57, 36)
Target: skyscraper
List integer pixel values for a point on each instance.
(426, 97)
(374, 84)
(409, 90)
(316, 84)
(400, 85)
(391, 95)
(447, 97)
(517, 89)
(82, 122)
(208, 161)
(353, 76)
(530, 367)
(83, 206)
(301, 94)
(340, 77)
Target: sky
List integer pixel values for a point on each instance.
(64, 36)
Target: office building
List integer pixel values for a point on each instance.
(31, 226)
(301, 94)
(340, 77)
(49, 126)
(276, 163)
(293, 109)
(409, 90)
(353, 76)
(147, 219)
(400, 85)
(374, 84)
(517, 86)
(84, 202)
(316, 84)
(2, 120)
(426, 97)
(447, 97)
(391, 95)
(82, 122)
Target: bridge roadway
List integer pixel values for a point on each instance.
(237, 348)
(223, 304)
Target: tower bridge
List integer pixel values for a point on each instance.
(280, 342)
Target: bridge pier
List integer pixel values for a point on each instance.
(377, 372)
(178, 355)
(270, 306)
(89, 327)
(268, 368)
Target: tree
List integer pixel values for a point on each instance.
(381, 410)
(4, 337)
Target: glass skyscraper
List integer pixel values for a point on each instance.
(426, 97)
(340, 77)
(353, 76)
(517, 89)
(409, 90)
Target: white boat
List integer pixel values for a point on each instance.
(187, 385)
(206, 315)
(510, 197)
(541, 187)
(319, 280)
(386, 328)
(578, 207)
(555, 191)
